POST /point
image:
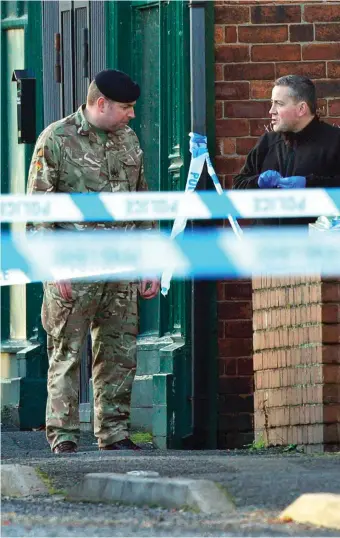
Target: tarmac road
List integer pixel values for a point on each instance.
(261, 485)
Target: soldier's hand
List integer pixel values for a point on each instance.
(65, 289)
(149, 288)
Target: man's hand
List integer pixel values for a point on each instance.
(149, 288)
(269, 179)
(293, 182)
(65, 289)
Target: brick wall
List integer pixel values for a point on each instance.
(256, 42)
(236, 406)
(297, 362)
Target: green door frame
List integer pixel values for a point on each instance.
(26, 16)
(204, 293)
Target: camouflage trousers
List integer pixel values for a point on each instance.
(109, 310)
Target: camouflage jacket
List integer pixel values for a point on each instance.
(73, 156)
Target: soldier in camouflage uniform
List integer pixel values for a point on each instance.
(92, 150)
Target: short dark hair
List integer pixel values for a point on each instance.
(93, 94)
(301, 89)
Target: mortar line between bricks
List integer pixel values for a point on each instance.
(294, 366)
(295, 385)
(297, 326)
(290, 286)
(290, 405)
(294, 305)
(301, 346)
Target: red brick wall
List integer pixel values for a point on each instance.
(255, 43)
(297, 362)
(236, 406)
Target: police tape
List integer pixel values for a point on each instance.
(199, 157)
(168, 205)
(114, 255)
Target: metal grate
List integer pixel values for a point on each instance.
(50, 87)
(98, 37)
(67, 78)
(81, 83)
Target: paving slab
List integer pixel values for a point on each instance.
(21, 481)
(201, 495)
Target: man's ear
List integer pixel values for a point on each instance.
(303, 108)
(101, 104)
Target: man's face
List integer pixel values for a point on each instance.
(115, 115)
(285, 110)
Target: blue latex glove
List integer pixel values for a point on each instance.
(293, 182)
(269, 179)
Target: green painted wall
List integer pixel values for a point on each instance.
(24, 390)
(21, 48)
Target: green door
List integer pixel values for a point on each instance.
(146, 69)
(162, 124)
(153, 46)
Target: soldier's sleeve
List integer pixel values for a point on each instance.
(143, 186)
(43, 174)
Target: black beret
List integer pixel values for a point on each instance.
(117, 86)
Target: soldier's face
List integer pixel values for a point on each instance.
(285, 111)
(115, 115)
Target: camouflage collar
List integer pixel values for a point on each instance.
(85, 128)
(83, 125)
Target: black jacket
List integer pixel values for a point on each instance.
(313, 153)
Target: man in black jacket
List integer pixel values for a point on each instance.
(300, 151)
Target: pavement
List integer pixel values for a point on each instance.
(260, 485)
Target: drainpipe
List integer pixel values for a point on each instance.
(203, 294)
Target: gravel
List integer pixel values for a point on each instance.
(53, 517)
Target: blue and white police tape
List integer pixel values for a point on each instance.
(199, 156)
(139, 206)
(117, 255)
